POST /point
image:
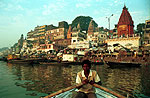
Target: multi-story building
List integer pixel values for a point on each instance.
(102, 37)
(30, 35)
(115, 35)
(147, 32)
(58, 33)
(95, 36)
(129, 42)
(77, 38)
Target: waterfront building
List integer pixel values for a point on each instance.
(95, 36)
(24, 48)
(38, 32)
(30, 35)
(102, 37)
(19, 45)
(129, 42)
(78, 38)
(59, 32)
(47, 47)
(115, 33)
(147, 33)
(62, 43)
(57, 36)
(125, 24)
(78, 43)
(126, 37)
(37, 36)
(77, 33)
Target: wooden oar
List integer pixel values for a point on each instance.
(109, 91)
(63, 90)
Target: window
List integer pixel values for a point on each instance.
(57, 30)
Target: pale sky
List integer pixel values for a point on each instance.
(21, 16)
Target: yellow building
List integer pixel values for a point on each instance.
(147, 32)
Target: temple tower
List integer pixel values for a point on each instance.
(69, 33)
(125, 24)
(78, 27)
(91, 28)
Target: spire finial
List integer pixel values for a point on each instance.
(124, 6)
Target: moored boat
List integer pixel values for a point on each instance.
(98, 63)
(62, 63)
(122, 64)
(23, 61)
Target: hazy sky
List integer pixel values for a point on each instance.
(20, 16)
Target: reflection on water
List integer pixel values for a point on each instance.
(124, 80)
(40, 80)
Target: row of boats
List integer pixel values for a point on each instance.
(55, 62)
(69, 60)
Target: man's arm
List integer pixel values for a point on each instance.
(96, 80)
(78, 80)
(99, 83)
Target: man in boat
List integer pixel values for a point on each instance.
(87, 77)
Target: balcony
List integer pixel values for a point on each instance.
(147, 26)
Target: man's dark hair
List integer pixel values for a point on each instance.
(86, 62)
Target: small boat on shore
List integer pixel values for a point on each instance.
(97, 63)
(3, 59)
(122, 64)
(23, 61)
(62, 63)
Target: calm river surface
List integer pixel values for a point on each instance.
(27, 81)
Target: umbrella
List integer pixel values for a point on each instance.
(115, 44)
(109, 46)
(128, 44)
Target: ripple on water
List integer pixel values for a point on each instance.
(37, 80)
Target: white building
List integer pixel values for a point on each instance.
(78, 42)
(97, 38)
(131, 42)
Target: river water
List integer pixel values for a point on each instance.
(34, 81)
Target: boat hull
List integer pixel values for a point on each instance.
(23, 61)
(123, 64)
(71, 93)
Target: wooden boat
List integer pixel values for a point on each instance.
(3, 59)
(122, 64)
(97, 63)
(23, 61)
(101, 92)
(60, 63)
(48, 63)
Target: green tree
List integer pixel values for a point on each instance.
(83, 21)
(140, 26)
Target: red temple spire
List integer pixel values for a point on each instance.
(125, 24)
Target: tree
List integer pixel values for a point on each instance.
(140, 27)
(83, 21)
